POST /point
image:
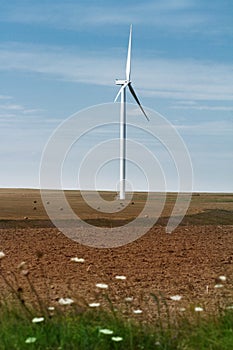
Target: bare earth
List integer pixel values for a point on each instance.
(186, 262)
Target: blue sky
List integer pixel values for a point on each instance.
(59, 57)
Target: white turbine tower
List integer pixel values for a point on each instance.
(122, 92)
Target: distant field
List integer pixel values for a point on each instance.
(205, 208)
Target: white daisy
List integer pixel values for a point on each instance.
(129, 299)
(137, 312)
(117, 339)
(106, 331)
(22, 265)
(65, 301)
(94, 304)
(229, 307)
(102, 285)
(78, 260)
(198, 309)
(176, 297)
(120, 277)
(222, 278)
(37, 319)
(51, 308)
(2, 255)
(30, 340)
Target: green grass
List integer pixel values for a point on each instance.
(212, 334)
(78, 326)
(81, 330)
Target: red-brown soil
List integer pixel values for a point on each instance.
(186, 262)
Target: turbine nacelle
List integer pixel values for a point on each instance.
(122, 82)
(127, 82)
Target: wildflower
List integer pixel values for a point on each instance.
(51, 308)
(129, 299)
(137, 312)
(94, 304)
(2, 255)
(78, 260)
(25, 272)
(219, 285)
(65, 301)
(30, 340)
(117, 339)
(22, 265)
(229, 307)
(198, 309)
(222, 278)
(120, 277)
(102, 285)
(38, 319)
(106, 331)
(176, 297)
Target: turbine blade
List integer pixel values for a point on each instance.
(137, 100)
(119, 92)
(128, 62)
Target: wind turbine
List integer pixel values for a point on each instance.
(122, 92)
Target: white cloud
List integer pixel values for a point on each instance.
(5, 97)
(80, 67)
(171, 14)
(205, 108)
(161, 78)
(213, 127)
(11, 107)
(5, 116)
(186, 79)
(194, 105)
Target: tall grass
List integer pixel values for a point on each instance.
(69, 330)
(31, 323)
